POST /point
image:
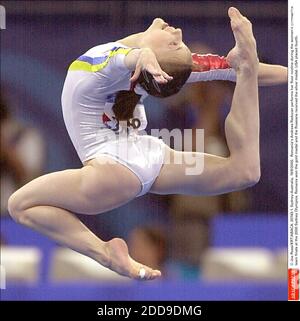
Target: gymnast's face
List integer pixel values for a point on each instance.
(161, 37)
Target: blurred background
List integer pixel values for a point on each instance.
(229, 247)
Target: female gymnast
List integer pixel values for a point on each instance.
(105, 88)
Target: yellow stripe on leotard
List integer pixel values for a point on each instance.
(89, 67)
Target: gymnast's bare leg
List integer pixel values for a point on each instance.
(242, 168)
(47, 205)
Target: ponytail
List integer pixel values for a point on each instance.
(125, 103)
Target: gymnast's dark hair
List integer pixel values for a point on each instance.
(126, 101)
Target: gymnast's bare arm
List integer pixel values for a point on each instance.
(270, 75)
(208, 67)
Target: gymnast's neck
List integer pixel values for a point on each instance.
(133, 41)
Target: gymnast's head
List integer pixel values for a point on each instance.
(163, 39)
(173, 56)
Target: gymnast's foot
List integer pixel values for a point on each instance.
(243, 57)
(122, 263)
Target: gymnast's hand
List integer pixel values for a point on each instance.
(146, 60)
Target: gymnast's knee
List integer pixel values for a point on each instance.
(16, 207)
(250, 176)
(244, 171)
